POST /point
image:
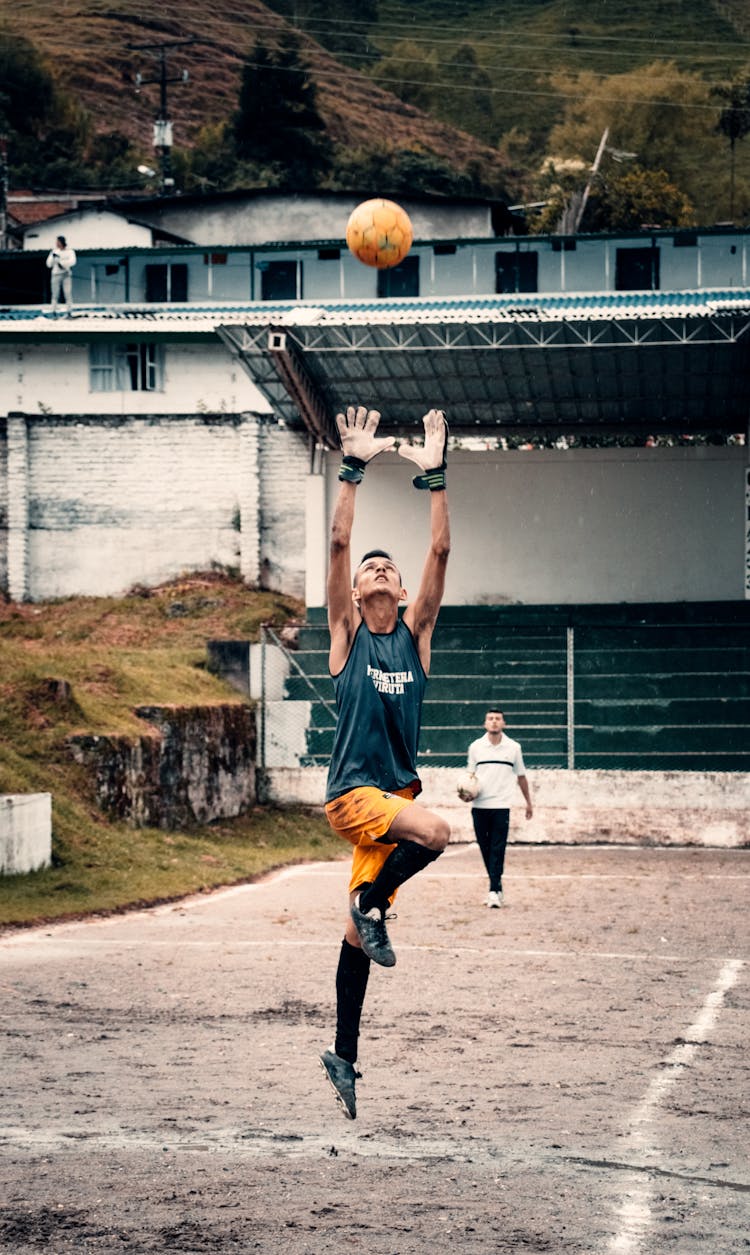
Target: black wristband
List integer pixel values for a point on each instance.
(434, 479)
(352, 469)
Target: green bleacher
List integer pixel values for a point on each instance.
(651, 687)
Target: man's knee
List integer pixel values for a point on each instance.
(437, 835)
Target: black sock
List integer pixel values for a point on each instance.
(408, 858)
(351, 984)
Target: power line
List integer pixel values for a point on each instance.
(373, 58)
(504, 91)
(380, 30)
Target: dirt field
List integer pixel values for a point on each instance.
(568, 1074)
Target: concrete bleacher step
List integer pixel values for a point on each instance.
(654, 686)
(647, 661)
(451, 688)
(696, 685)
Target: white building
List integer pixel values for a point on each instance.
(183, 414)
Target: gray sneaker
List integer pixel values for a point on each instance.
(373, 936)
(342, 1076)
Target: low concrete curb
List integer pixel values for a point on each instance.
(580, 807)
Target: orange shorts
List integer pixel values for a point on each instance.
(362, 816)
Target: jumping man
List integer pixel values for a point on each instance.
(379, 664)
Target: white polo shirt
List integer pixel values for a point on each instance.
(497, 767)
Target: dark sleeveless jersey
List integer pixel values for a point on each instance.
(379, 694)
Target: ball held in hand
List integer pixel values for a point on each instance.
(468, 786)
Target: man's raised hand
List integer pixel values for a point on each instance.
(357, 429)
(431, 456)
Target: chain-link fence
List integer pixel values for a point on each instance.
(661, 695)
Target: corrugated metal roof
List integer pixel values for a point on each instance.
(418, 310)
(654, 361)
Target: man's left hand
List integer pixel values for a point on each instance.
(431, 456)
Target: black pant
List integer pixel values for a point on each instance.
(491, 830)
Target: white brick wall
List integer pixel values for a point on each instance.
(285, 460)
(114, 501)
(3, 503)
(17, 458)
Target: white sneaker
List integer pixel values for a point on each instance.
(495, 899)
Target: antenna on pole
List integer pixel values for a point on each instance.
(163, 139)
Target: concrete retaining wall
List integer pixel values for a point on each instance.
(580, 807)
(196, 764)
(25, 832)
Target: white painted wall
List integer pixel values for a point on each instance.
(89, 228)
(259, 220)
(53, 378)
(25, 832)
(550, 526)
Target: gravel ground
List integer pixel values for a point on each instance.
(568, 1074)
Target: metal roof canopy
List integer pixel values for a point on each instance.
(633, 361)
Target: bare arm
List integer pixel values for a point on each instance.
(343, 615)
(523, 784)
(421, 615)
(357, 430)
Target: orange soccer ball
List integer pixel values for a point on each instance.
(379, 233)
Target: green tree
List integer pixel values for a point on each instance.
(409, 72)
(465, 99)
(333, 23)
(627, 199)
(734, 121)
(51, 140)
(27, 90)
(399, 171)
(277, 122)
(660, 113)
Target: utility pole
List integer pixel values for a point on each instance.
(3, 191)
(594, 171)
(162, 126)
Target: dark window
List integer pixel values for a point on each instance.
(637, 270)
(443, 250)
(329, 254)
(215, 259)
(166, 281)
(400, 280)
(685, 239)
(516, 272)
(278, 281)
(23, 280)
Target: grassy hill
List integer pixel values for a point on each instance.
(117, 653)
(88, 49)
(520, 43)
(472, 82)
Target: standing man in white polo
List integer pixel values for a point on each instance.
(497, 762)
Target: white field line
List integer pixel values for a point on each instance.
(634, 1212)
(336, 869)
(256, 1143)
(235, 945)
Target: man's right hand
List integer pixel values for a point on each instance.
(357, 432)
